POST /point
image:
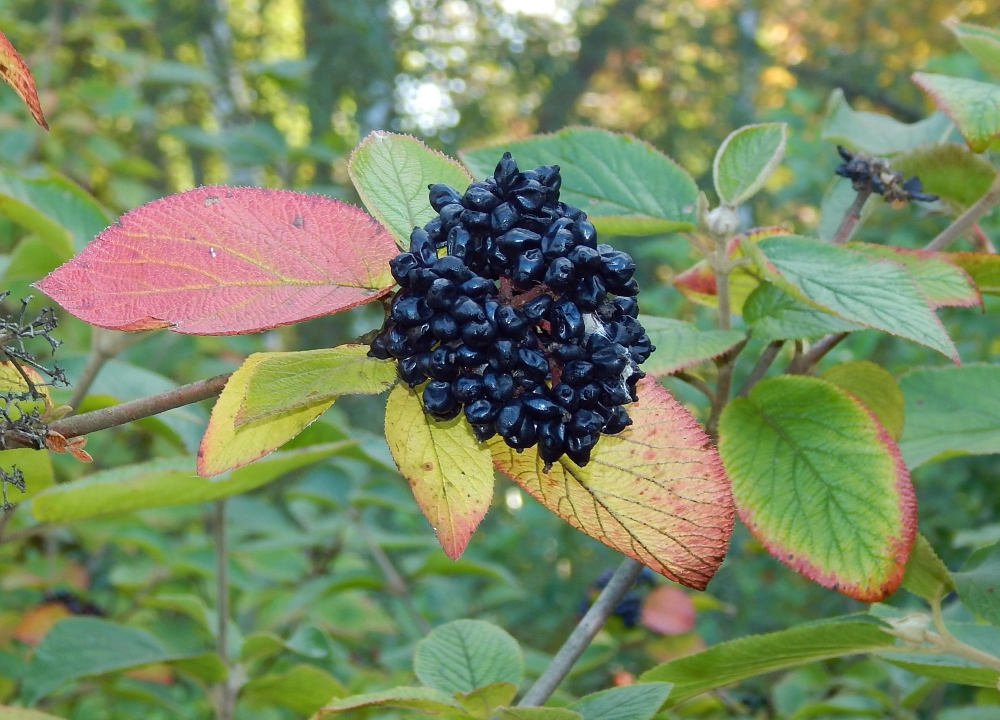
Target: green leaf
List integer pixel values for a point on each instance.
(950, 170)
(423, 699)
(983, 268)
(820, 483)
(450, 473)
(875, 387)
(631, 702)
(983, 42)
(391, 173)
(55, 208)
(303, 689)
(837, 200)
(773, 314)
(942, 282)
(482, 702)
(260, 645)
(926, 575)
(79, 647)
(284, 381)
(680, 344)
(876, 293)
(972, 105)
(878, 134)
(31, 260)
(736, 660)
(467, 654)
(978, 583)
(164, 483)
(37, 468)
(746, 159)
(226, 445)
(207, 667)
(537, 713)
(18, 713)
(950, 411)
(950, 667)
(597, 172)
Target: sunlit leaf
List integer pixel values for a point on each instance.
(537, 713)
(219, 260)
(773, 314)
(872, 292)
(746, 159)
(163, 483)
(926, 575)
(736, 660)
(227, 445)
(19, 713)
(680, 344)
(972, 105)
(820, 483)
(303, 689)
(15, 73)
(950, 411)
(594, 163)
(482, 702)
(984, 268)
(468, 654)
(284, 381)
(875, 133)
(450, 473)
(875, 387)
(656, 492)
(391, 173)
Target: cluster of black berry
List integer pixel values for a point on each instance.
(867, 172)
(510, 311)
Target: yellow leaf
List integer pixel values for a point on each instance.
(226, 446)
(451, 474)
(656, 492)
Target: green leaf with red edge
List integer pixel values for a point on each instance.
(655, 492)
(450, 474)
(876, 293)
(874, 386)
(983, 268)
(820, 482)
(949, 170)
(223, 261)
(697, 283)
(983, 42)
(972, 105)
(680, 344)
(226, 445)
(941, 281)
(15, 73)
(598, 169)
(391, 173)
(285, 381)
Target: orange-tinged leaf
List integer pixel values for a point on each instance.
(656, 492)
(73, 446)
(668, 610)
(36, 623)
(15, 73)
(697, 283)
(222, 261)
(451, 474)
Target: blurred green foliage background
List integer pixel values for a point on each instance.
(151, 97)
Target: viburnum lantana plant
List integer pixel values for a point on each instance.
(513, 341)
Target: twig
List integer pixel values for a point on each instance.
(397, 586)
(853, 216)
(981, 240)
(125, 412)
(760, 369)
(965, 221)
(583, 634)
(801, 364)
(697, 383)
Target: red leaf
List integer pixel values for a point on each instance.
(668, 610)
(15, 73)
(655, 492)
(223, 261)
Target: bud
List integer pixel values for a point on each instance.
(722, 221)
(911, 629)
